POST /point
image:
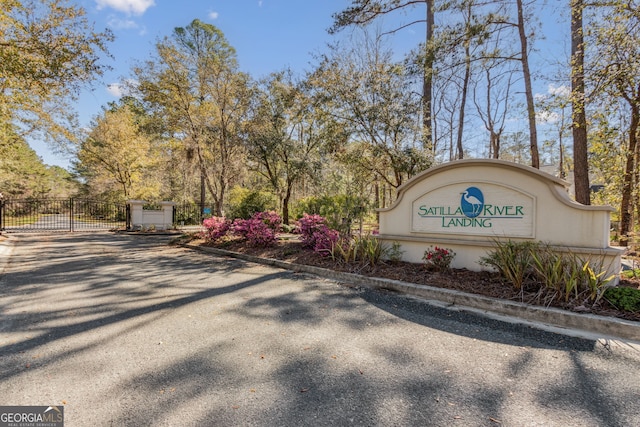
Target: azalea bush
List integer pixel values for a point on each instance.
(260, 230)
(270, 218)
(215, 228)
(438, 259)
(316, 234)
(255, 231)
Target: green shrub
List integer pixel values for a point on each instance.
(623, 298)
(243, 203)
(340, 210)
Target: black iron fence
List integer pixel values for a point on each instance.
(190, 213)
(61, 215)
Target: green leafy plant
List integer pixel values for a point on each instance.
(342, 250)
(631, 274)
(366, 249)
(512, 260)
(557, 274)
(339, 211)
(245, 203)
(371, 250)
(594, 280)
(395, 253)
(549, 266)
(624, 298)
(438, 259)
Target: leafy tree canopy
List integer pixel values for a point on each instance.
(48, 51)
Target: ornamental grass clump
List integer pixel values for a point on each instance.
(215, 228)
(551, 274)
(513, 261)
(366, 250)
(315, 234)
(438, 259)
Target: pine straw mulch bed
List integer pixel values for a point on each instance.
(480, 283)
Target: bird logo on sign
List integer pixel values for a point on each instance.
(472, 202)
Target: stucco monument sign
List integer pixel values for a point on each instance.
(468, 205)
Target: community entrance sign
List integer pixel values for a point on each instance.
(468, 205)
(483, 209)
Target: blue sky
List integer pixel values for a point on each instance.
(268, 35)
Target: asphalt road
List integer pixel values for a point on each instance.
(129, 331)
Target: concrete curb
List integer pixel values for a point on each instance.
(561, 321)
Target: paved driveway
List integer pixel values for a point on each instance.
(128, 331)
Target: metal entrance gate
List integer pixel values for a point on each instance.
(19, 215)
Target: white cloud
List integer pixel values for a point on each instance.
(539, 97)
(213, 15)
(121, 24)
(115, 89)
(547, 117)
(259, 3)
(130, 7)
(562, 91)
(123, 88)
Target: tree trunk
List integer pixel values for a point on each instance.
(626, 208)
(203, 193)
(561, 173)
(463, 101)
(377, 201)
(495, 145)
(578, 116)
(285, 205)
(427, 82)
(526, 73)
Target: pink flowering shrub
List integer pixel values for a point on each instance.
(270, 218)
(260, 229)
(316, 234)
(438, 259)
(215, 228)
